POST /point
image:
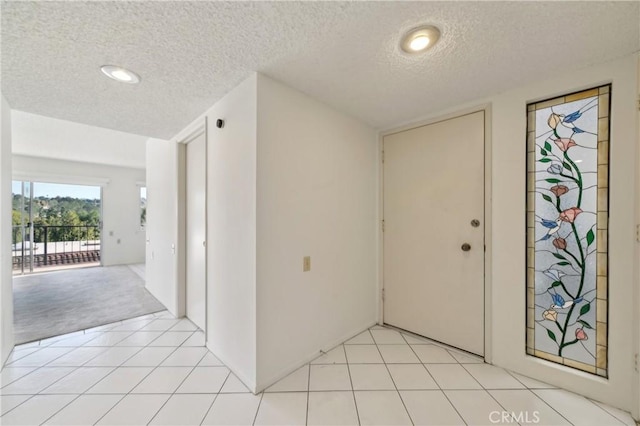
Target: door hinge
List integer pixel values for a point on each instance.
(382, 157)
(635, 362)
(382, 225)
(638, 106)
(383, 299)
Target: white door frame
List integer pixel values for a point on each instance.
(487, 211)
(196, 129)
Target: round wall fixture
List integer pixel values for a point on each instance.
(420, 39)
(120, 74)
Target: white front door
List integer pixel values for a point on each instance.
(196, 231)
(433, 254)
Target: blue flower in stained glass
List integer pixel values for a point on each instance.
(555, 169)
(554, 274)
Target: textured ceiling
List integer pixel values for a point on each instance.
(346, 54)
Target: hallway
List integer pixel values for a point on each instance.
(155, 370)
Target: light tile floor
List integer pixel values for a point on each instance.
(155, 370)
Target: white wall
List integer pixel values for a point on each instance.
(231, 231)
(286, 177)
(317, 186)
(508, 282)
(40, 136)
(231, 227)
(6, 288)
(120, 200)
(162, 222)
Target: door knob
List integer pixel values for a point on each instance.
(466, 247)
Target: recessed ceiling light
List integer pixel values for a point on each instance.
(120, 74)
(420, 39)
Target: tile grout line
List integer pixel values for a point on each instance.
(32, 395)
(122, 396)
(73, 369)
(255, 417)
(423, 365)
(537, 396)
(141, 380)
(488, 391)
(549, 405)
(353, 392)
(435, 381)
(611, 414)
(38, 366)
(217, 394)
(181, 382)
(8, 365)
(391, 376)
(61, 408)
(485, 389)
(110, 373)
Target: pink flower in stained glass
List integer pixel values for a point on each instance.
(569, 215)
(559, 190)
(560, 243)
(581, 335)
(565, 143)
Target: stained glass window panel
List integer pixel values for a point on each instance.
(567, 222)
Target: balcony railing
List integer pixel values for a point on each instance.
(55, 245)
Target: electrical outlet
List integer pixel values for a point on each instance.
(306, 264)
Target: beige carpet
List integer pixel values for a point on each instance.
(62, 302)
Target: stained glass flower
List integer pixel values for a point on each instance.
(560, 243)
(550, 315)
(554, 120)
(581, 335)
(569, 215)
(559, 190)
(555, 169)
(554, 274)
(565, 143)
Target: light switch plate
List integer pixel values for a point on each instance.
(306, 264)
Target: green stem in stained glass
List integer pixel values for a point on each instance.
(582, 273)
(575, 233)
(573, 257)
(568, 343)
(566, 291)
(569, 177)
(578, 180)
